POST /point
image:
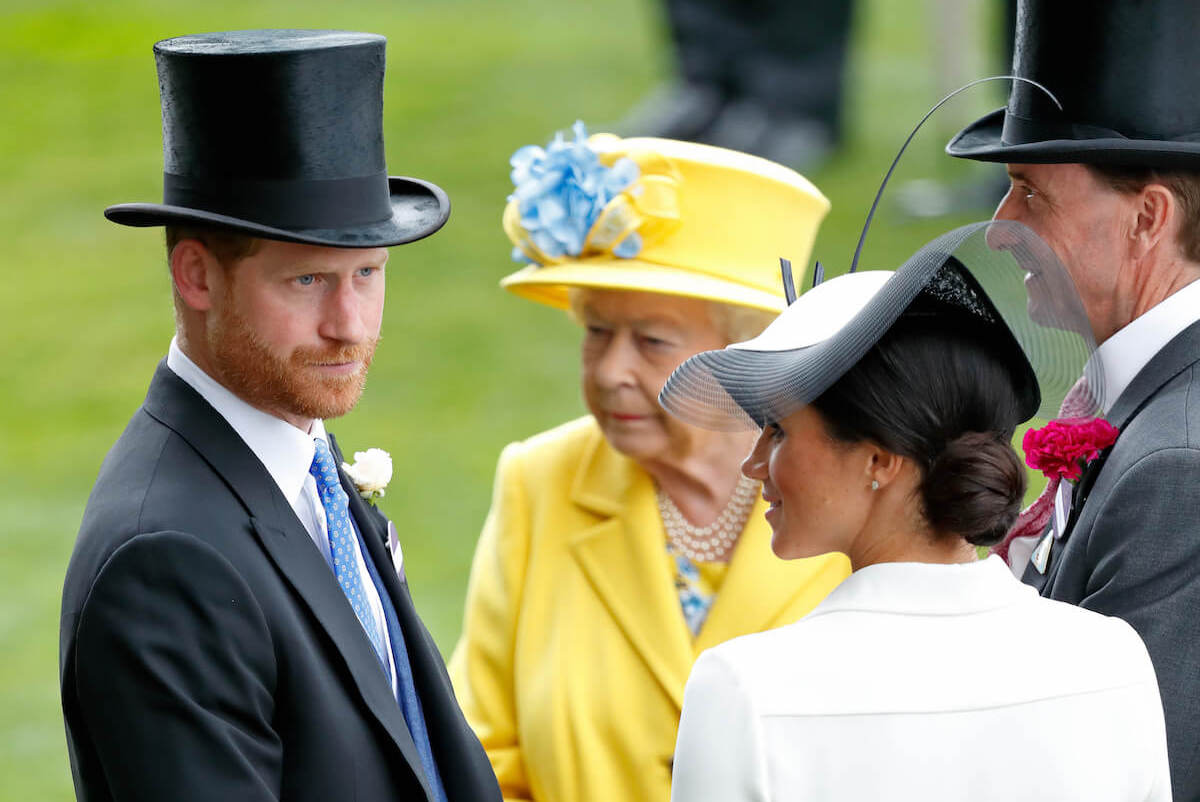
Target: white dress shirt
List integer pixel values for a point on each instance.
(286, 453)
(1123, 355)
(914, 681)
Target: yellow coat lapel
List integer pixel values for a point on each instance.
(761, 591)
(626, 563)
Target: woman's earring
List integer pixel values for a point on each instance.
(874, 484)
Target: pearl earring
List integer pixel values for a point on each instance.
(874, 484)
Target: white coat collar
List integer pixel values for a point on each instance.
(927, 589)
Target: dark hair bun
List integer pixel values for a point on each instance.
(974, 488)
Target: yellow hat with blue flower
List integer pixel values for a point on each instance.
(656, 215)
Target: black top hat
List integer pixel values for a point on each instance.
(279, 134)
(1125, 74)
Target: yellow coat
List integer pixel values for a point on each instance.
(574, 651)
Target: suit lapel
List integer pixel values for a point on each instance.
(1177, 356)
(1083, 488)
(1042, 580)
(308, 574)
(174, 403)
(373, 526)
(281, 535)
(625, 561)
(462, 764)
(1181, 353)
(370, 521)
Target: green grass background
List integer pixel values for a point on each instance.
(464, 368)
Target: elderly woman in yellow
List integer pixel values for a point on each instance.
(621, 545)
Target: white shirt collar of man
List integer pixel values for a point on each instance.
(284, 450)
(1129, 350)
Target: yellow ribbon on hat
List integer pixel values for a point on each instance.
(649, 206)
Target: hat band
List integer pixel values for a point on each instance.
(289, 204)
(1024, 131)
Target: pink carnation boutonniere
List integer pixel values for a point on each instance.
(1063, 447)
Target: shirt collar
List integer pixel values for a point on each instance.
(1125, 353)
(285, 451)
(927, 589)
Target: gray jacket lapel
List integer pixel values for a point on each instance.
(1178, 355)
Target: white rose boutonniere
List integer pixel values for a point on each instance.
(371, 472)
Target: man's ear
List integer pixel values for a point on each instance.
(1156, 213)
(193, 269)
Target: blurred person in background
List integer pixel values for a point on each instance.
(761, 76)
(622, 544)
(769, 77)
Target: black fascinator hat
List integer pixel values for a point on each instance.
(1124, 72)
(279, 134)
(997, 282)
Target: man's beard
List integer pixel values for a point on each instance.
(292, 384)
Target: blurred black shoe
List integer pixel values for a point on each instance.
(802, 143)
(674, 111)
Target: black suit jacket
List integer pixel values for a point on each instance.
(207, 651)
(1132, 545)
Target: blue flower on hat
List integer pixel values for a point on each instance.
(560, 192)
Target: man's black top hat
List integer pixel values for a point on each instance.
(279, 134)
(1125, 72)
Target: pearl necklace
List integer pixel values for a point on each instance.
(715, 542)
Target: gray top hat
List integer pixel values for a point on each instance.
(279, 134)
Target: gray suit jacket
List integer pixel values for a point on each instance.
(1131, 547)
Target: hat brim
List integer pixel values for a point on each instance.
(419, 208)
(549, 285)
(996, 282)
(981, 141)
(745, 385)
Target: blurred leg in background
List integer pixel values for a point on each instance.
(952, 30)
(761, 76)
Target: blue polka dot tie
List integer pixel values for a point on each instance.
(343, 546)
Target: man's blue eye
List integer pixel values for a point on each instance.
(305, 280)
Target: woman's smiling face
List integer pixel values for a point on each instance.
(813, 483)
